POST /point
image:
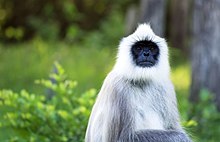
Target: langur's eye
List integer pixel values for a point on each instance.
(151, 48)
(138, 48)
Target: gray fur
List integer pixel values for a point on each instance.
(116, 122)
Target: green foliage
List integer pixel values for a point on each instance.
(201, 120)
(32, 117)
(205, 113)
(48, 30)
(16, 33)
(108, 35)
(73, 33)
(180, 75)
(54, 19)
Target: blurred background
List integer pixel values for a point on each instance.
(55, 54)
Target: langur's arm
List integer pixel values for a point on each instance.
(160, 136)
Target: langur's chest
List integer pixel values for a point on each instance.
(147, 110)
(147, 119)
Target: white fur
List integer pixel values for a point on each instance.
(126, 67)
(153, 121)
(148, 118)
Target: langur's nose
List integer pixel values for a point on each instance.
(146, 54)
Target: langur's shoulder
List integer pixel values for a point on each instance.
(112, 79)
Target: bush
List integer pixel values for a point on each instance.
(58, 118)
(109, 33)
(207, 117)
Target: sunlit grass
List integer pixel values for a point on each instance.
(181, 77)
(22, 64)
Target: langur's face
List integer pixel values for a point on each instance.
(145, 53)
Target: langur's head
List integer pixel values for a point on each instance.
(143, 55)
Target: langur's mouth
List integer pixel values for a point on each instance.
(145, 64)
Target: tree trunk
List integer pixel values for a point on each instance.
(206, 49)
(179, 24)
(131, 19)
(153, 12)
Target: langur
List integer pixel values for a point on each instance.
(137, 101)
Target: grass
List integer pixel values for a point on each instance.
(181, 77)
(22, 64)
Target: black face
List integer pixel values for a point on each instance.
(145, 53)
